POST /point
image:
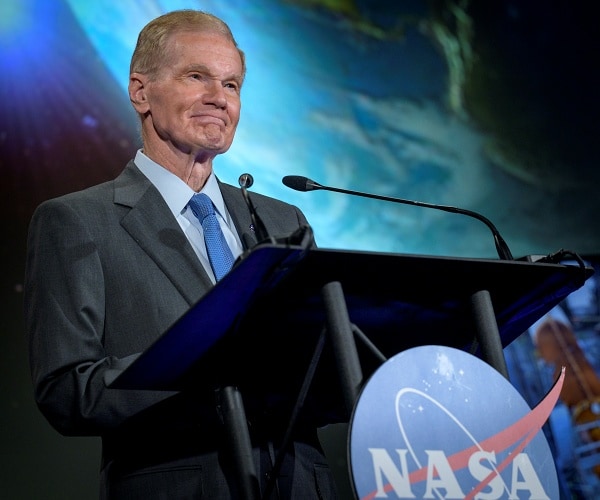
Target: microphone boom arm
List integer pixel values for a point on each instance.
(245, 181)
(304, 184)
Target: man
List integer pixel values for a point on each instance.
(111, 268)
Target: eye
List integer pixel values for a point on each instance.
(232, 86)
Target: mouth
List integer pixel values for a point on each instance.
(209, 119)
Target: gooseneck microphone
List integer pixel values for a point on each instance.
(300, 183)
(245, 181)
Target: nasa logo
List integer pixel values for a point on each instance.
(436, 422)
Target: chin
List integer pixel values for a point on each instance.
(216, 146)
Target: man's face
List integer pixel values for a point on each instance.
(193, 102)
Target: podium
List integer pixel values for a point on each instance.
(289, 327)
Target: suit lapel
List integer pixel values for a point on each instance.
(155, 230)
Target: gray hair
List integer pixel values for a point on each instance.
(151, 48)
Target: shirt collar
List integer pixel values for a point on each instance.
(175, 192)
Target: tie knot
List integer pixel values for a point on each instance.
(201, 205)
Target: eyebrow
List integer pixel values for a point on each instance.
(202, 68)
(196, 67)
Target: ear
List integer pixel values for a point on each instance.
(137, 92)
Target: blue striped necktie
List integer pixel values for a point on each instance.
(219, 253)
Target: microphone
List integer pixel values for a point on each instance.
(300, 183)
(245, 181)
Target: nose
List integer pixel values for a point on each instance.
(215, 94)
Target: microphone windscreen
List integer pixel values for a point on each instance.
(296, 182)
(246, 181)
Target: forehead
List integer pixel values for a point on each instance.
(211, 49)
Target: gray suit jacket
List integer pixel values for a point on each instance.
(108, 271)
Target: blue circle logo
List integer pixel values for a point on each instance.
(436, 422)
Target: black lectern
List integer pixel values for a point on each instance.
(303, 329)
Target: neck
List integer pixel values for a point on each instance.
(193, 169)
